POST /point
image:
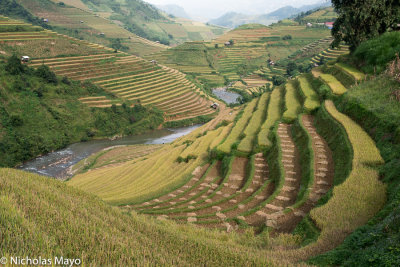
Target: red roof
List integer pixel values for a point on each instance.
(329, 23)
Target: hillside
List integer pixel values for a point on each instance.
(302, 171)
(125, 77)
(83, 227)
(319, 16)
(127, 20)
(77, 23)
(90, 76)
(41, 113)
(300, 159)
(174, 10)
(215, 64)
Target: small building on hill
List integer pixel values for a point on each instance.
(309, 24)
(227, 43)
(25, 59)
(214, 105)
(271, 62)
(329, 25)
(45, 20)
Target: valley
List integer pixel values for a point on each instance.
(255, 146)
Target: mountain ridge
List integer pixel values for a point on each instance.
(234, 19)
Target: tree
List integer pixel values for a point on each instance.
(287, 37)
(14, 65)
(116, 44)
(216, 46)
(44, 72)
(278, 80)
(231, 41)
(291, 68)
(360, 20)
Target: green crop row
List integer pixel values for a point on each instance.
(336, 87)
(273, 114)
(237, 130)
(292, 103)
(311, 100)
(250, 132)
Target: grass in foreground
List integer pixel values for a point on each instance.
(40, 216)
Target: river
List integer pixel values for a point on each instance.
(57, 164)
(228, 97)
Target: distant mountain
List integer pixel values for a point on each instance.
(284, 12)
(233, 19)
(174, 10)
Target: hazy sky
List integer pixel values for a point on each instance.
(207, 9)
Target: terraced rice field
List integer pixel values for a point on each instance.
(133, 79)
(290, 166)
(238, 128)
(323, 15)
(330, 54)
(129, 78)
(165, 171)
(273, 115)
(247, 192)
(25, 39)
(311, 99)
(114, 156)
(218, 58)
(292, 102)
(247, 143)
(254, 84)
(92, 25)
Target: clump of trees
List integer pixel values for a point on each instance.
(360, 20)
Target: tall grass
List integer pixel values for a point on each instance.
(45, 217)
